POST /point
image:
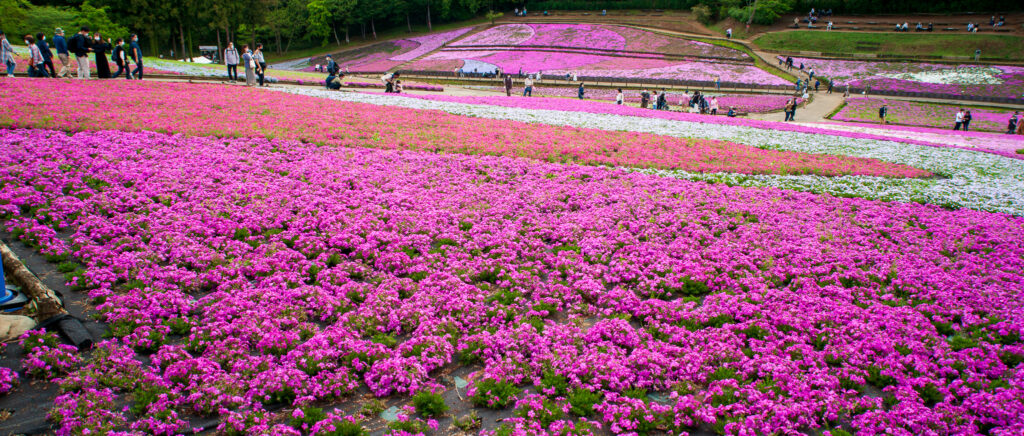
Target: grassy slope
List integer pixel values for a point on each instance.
(998, 46)
(396, 33)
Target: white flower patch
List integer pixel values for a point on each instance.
(952, 76)
(967, 179)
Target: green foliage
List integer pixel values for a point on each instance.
(494, 394)
(582, 401)
(704, 14)
(469, 422)
(429, 404)
(768, 11)
(310, 416)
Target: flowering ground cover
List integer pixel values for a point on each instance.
(266, 280)
(978, 80)
(202, 110)
(745, 103)
(982, 179)
(977, 140)
(594, 36)
(600, 65)
(386, 55)
(864, 109)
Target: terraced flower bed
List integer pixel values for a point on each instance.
(965, 79)
(910, 113)
(597, 65)
(268, 281)
(205, 110)
(743, 103)
(594, 36)
(386, 55)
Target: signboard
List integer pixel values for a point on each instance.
(207, 48)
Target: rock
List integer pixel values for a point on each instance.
(13, 326)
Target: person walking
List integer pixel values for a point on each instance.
(619, 98)
(101, 48)
(35, 63)
(7, 54)
(882, 112)
(261, 63)
(508, 85)
(528, 87)
(829, 91)
(250, 66)
(580, 92)
(789, 110)
(231, 60)
(1012, 126)
(61, 45)
(817, 83)
(718, 83)
(44, 49)
(135, 52)
(80, 47)
(967, 120)
(120, 57)
(959, 119)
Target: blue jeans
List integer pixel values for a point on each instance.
(121, 69)
(10, 68)
(138, 71)
(528, 91)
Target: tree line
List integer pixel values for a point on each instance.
(282, 25)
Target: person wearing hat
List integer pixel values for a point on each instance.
(61, 45)
(7, 54)
(80, 47)
(231, 59)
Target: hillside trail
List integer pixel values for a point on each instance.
(820, 106)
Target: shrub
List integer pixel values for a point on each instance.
(494, 394)
(429, 404)
(703, 13)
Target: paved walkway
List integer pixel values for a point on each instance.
(821, 106)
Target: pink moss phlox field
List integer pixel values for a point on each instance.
(207, 110)
(429, 43)
(999, 146)
(600, 65)
(594, 36)
(259, 273)
(976, 80)
(743, 103)
(861, 109)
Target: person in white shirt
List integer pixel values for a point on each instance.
(959, 119)
(619, 98)
(528, 87)
(829, 27)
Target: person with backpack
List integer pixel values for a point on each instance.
(332, 67)
(231, 59)
(120, 57)
(80, 47)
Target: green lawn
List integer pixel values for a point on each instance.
(934, 44)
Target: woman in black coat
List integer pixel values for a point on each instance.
(101, 48)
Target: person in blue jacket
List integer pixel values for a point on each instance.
(61, 45)
(135, 52)
(44, 49)
(581, 92)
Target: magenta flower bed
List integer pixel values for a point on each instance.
(594, 36)
(598, 65)
(259, 274)
(742, 102)
(978, 80)
(862, 109)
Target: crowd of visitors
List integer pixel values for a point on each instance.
(81, 45)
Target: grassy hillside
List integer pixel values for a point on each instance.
(995, 46)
